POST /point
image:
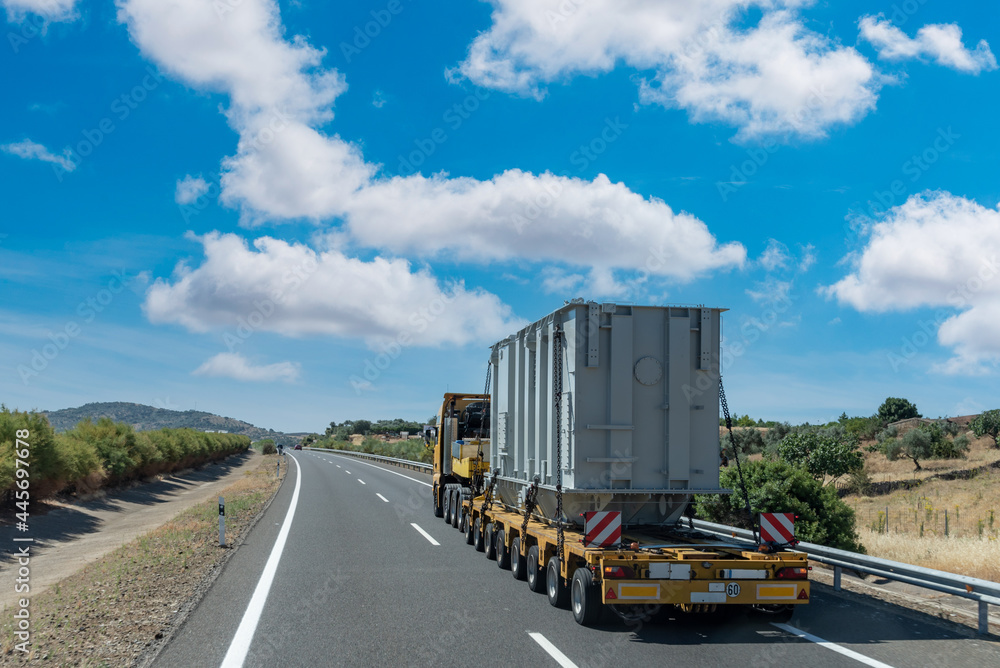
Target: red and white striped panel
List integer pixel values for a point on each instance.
(602, 528)
(777, 527)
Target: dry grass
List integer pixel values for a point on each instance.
(981, 453)
(910, 525)
(115, 609)
(978, 558)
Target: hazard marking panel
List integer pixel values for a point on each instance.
(602, 528)
(639, 591)
(611, 595)
(775, 592)
(777, 527)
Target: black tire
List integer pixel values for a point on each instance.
(489, 539)
(456, 509)
(503, 552)
(779, 614)
(558, 592)
(438, 510)
(447, 505)
(477, 535)
(462, 522)
(534, 573)
(470, 537)
(518, 562)
(585, 597)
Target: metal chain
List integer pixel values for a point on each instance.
(477, 476)
(557, 348)
(529, 507)
(736, 454)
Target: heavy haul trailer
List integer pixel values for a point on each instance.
(574, 471)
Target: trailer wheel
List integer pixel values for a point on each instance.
(477, 535)
(585, 597)
(447, 505)
(535, 574)
(456, 509)
(779, 614)
(503, 552)
(490, 539)
(462, 521)
(438, 510)
(470, 537)
(518, 563)
(557, 591)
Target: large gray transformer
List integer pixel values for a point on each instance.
(636, 392)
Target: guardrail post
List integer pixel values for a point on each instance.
(222, 522)
(984, 618)
(837, 570)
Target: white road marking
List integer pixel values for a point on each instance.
(424, 533)
(361, 481)
(338, 466)
(553, 651)
(425, 484)
(348, 472)
(381, 497)
(240, 645)
(868, 661)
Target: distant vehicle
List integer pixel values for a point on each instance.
(298, 446)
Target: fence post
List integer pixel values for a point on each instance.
(222, 522)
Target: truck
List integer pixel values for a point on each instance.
(576, 467)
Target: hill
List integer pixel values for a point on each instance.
(147, 418)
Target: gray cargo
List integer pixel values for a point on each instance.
(639, 410)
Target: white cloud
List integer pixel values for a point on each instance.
(285, 168)
(542, 218)
(939, 42)
(597, 284)
(290, 289)
(30, 150)
(234, 365)
(379, 99)
(935, 250)
(189, 189)
(773, 78)
(808, 258)
(50, 10)
(770, 291)
(775, 256)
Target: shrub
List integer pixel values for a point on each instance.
(987, 424)
(777, 486)
(894, 409)
(268, 447)
(820, 455)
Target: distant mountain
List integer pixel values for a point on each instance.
(148, 418)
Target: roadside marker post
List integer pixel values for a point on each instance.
(222, 522)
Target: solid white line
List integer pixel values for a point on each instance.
(425, 484)
(553, 651)
(240, 645)
(424, 533)
(361, 481)
(868, 661)
(381, 497)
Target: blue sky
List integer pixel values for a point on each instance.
(292, 212)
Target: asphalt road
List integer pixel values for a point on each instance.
(358, 584)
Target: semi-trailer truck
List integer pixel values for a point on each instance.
(574, 470)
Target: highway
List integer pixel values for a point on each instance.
(368, 576)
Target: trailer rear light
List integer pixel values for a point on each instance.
(792, 573)
(618, 572)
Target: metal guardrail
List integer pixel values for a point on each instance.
(405, 463)
(986, 593)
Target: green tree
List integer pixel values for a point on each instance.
(777, 486)
(821, 455)
(894, 409)
(987, 424)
